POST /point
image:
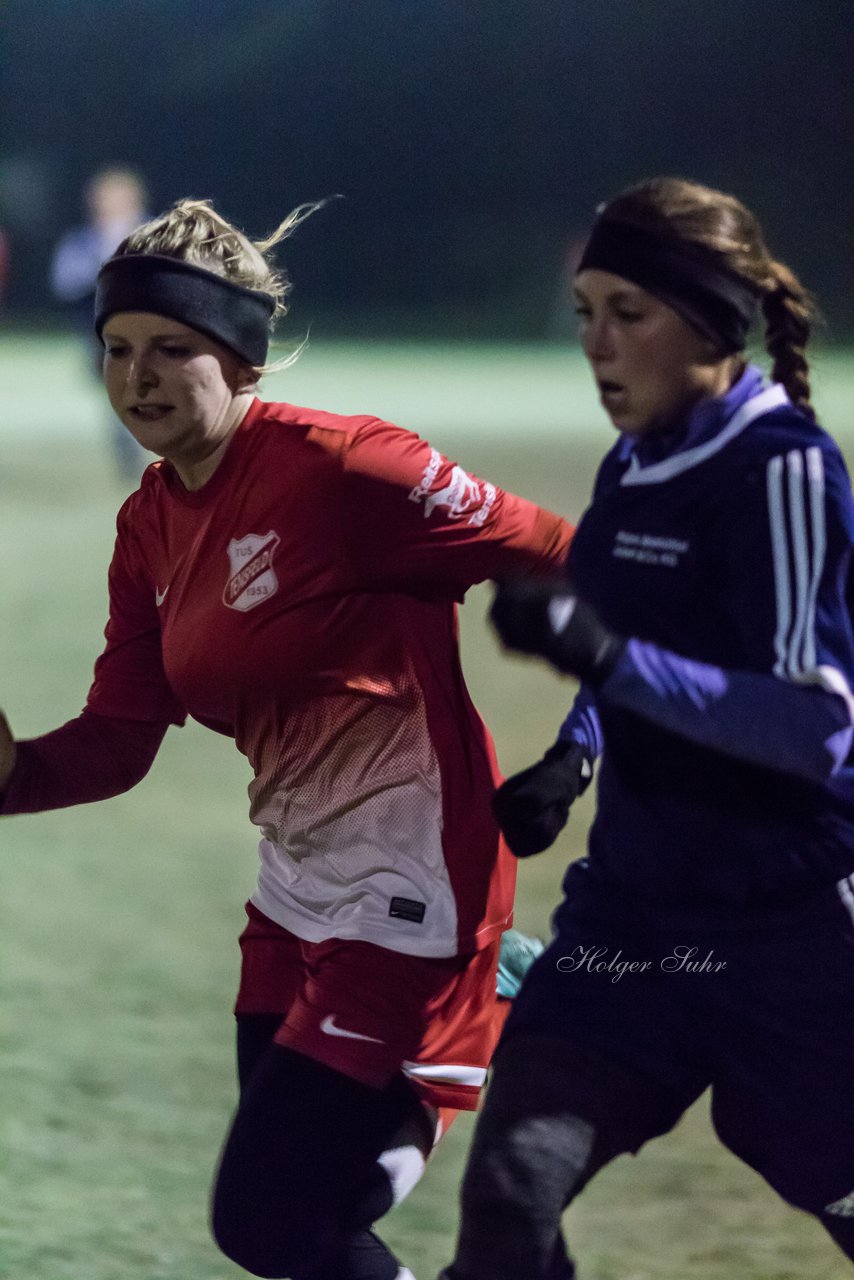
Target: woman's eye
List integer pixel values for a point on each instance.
(177, 351)
(630, 317)
(115, 351)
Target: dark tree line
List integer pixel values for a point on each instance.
(471, 138)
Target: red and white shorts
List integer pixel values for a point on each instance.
(370, 1012)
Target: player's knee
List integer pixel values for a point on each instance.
(270, 1260)
(529, 1150)
(272, 1246)
(513, 1195)
(235, 1245)
(530, 1170)
(233, 1240)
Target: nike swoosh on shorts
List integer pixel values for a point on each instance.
(328, 1026)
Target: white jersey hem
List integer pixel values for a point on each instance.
(372, 930)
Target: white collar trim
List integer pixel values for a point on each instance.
(771, 398)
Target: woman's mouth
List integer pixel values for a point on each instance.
(610, 393)
(149, 412)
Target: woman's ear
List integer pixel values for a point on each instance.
(712, 350)
(247, 378)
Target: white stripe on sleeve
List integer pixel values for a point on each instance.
(780, 551)
(798, 545)
(815, 482)
(801, 555)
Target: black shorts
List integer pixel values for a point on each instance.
(762, 1014)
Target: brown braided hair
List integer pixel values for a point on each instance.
(689, 211)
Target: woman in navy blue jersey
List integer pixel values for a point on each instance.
(707, 939)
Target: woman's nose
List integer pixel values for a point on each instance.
(597, 340)
(142, 374)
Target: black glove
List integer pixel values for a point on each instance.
(548, 619)
(532, 807)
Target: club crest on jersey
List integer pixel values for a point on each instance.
(461, 496)
(253, 578)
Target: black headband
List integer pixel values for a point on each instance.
(689, 277)
(235, 316)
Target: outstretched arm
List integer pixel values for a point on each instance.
(110, 746)
(90, 758)
(791, 707)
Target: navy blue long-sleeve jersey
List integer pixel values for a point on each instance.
(724, 553)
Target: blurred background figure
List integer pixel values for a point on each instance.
(115, 200)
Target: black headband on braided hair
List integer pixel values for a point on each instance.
(689, 277)
(237, 317)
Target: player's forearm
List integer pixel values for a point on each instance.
(535, 540)
(801, 729)
(90, 758)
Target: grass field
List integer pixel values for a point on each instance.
(118, 922)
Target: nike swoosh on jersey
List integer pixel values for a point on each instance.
(328, 1026)
(160, 596)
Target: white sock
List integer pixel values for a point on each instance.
(404, 1166)
(405, 1274)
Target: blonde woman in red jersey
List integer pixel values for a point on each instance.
(289, 577)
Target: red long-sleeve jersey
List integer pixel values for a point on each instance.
(303, 602)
